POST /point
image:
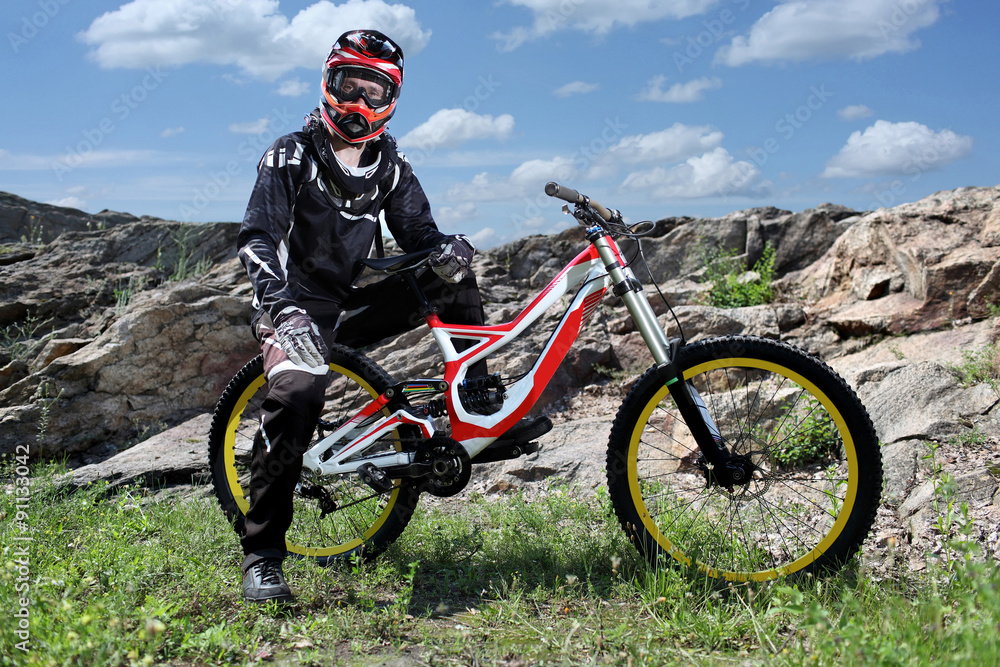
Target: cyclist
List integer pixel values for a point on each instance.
(313, 213)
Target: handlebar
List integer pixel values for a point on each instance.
(573, 197)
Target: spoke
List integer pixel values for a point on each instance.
(796, 518)
(766, 506)
(813, 488)
(667, 435)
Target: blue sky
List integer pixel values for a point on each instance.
(678, 107)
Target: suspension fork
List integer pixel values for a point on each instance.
(689, 402)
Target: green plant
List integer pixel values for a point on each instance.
(807, 437)
(185, 267)
(732, 285)
(123, 296)
(35, 232)
(16, 338)
(978, 367)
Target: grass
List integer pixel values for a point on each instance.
(132, 579)
(979, 366)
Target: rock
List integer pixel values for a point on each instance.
(23, 219)
(922, 401)
(977, 487)
(172, 354)
(701, 322)
(56, 348)
(176, 456)
(937, 251)
(899, 468)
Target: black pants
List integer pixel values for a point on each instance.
(295, 397)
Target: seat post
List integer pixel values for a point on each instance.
(425, 306)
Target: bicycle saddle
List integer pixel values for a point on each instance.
(397, 263)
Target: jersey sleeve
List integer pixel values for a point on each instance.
(262, 242)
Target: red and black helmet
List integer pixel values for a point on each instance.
(361, 81)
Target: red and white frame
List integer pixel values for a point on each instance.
(476, 431)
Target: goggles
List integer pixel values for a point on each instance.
(348, 84)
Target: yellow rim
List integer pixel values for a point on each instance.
(229, 455)
(798, 564)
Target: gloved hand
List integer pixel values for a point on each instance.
(452, 258)
(299, 337)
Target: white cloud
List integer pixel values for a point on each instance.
(575, 88)
(252, 34)
(526, 180)
(73, 159)
(68, 202)
(251, 127)
(806, 29)
(594, 16)
(854, 112)
(886, 149)
(171, 131)
(453, 215)
(677, 142)
(692, 91)
(451, 127)
(713, 174)
(485, 238)
(293, 88)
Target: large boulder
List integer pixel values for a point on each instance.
(167, 358)
(916, 267)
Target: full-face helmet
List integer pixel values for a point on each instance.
(361, 80)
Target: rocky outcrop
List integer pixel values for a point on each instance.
(23, 221)
(130, 328)
(916, 267)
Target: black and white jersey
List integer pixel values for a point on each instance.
(304, 234)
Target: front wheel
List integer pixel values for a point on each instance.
(809, 442)
(334, 516)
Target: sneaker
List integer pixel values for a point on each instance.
(265, 582)
(525, 431)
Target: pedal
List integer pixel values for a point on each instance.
(525, 431)
(504, 451)
(375, 477)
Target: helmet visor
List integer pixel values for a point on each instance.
(348, 84)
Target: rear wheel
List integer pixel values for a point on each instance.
(334, 516)
(807, 439)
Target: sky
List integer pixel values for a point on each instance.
(669, 108)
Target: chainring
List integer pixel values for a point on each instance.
(450, 462)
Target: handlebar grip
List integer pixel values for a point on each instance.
(562, 192)
(572, 196)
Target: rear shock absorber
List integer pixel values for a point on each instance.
(482, 395)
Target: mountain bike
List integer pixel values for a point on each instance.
(740, 456)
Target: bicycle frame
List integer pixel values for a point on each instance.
(599, 267)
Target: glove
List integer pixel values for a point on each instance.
(452, 258)
(299, 337)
